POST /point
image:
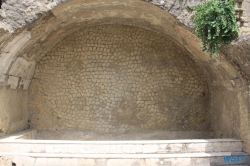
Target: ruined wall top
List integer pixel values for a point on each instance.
(18, 13)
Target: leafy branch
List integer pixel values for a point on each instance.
(215, 24)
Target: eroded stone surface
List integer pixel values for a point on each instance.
(121, 147)
(16, 14)
(13, 105)
(229, 91)
(115, 78)
(146, 135)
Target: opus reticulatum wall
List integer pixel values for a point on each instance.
(116, 78)
(30, 30)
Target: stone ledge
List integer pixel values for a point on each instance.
(126, 156)
(122, 142)
(26, 134)
(119, 147)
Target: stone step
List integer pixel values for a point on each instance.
(26, 134)
(126, 147)
(139, 135)
(124, 156)
(180, 159)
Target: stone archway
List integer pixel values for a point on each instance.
(23, 49)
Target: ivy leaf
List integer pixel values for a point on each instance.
(215, 24)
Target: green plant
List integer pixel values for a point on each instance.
(215, 24)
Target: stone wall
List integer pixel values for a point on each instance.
(15, 13)
(13, 109)
(117, 78)
(228, 73)
(231, 115)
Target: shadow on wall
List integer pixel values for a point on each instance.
(1, 2)
(1, 133)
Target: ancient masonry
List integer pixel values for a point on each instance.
(118, 66)
(116, 78)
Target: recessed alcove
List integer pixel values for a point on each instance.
(118, 79)
(87, 75)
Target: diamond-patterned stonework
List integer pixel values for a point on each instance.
(117, 78)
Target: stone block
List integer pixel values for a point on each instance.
(140, 162)
(13, 82)
(119, 162)
(25, 83)
(49, 148)
(27, 161)
(2, 78)
(85, 162)
(68, 161)
(55, 162)
(23, 68)
(150, 148)
(9, 52)
(41, 162)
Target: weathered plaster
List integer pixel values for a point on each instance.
(13, 108)
(9, 52)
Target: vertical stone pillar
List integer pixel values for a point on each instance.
(242, 15)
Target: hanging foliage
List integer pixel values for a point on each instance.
(215, 24)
